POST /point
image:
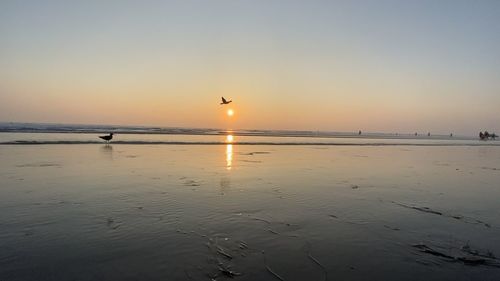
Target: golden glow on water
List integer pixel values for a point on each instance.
(229, 156)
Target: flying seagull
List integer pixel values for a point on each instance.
(224, 101)
(107, 138)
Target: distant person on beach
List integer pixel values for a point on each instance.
(486, 135)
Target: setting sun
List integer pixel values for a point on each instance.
(230, 112)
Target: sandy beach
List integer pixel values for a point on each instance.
(249, 212)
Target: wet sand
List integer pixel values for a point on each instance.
(249, 212)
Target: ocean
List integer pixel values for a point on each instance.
(35, 133)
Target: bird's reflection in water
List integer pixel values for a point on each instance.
(225, 184)
(107, 151)
(229, 151)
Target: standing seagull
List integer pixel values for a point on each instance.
(107, 138)
(224, 101)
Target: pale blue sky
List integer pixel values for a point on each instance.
(319, 65)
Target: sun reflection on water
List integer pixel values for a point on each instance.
(229, 156)
(229, 151)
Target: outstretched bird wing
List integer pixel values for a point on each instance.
(224, 100)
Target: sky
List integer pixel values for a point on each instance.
(379, 66)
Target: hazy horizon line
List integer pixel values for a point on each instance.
(356, 131)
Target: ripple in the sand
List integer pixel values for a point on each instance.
(111, 223)
(41, 164)
(250, 161)
(464, 254)
(254, 153)
(190, 182)
(444, 214)
(490, 168)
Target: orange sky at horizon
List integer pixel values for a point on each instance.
(340, 66)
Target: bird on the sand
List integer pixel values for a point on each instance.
(107, 138)
(224, 101)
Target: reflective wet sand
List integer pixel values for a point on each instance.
(249, 212)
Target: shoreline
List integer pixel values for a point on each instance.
(248, 143)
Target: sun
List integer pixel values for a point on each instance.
(230, 112)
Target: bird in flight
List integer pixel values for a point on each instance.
(107, 138)
(224, 101)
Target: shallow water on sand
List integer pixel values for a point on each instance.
(196, 212)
